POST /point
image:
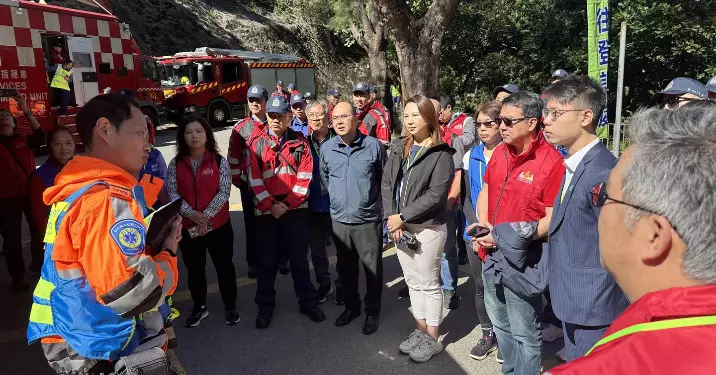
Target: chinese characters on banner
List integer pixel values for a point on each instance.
(598, 46)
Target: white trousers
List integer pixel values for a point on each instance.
(421, 269)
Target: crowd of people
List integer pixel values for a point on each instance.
(615, 256)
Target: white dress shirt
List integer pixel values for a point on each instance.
(572, 163)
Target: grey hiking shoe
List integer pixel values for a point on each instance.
(412, 342)
(426, 349)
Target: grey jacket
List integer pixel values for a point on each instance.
(425, 186)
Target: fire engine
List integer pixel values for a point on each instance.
(35, 37)
(213, 82)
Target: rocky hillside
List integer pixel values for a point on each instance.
(164, 27)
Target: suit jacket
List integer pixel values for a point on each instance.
(581, 289)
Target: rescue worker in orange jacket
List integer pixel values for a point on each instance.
(240, 143)
(102, 291)
(371, 119)
(281, 168)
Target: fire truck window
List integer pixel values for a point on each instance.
(204, 72)
(122, 72)
(149, 70)
(105, 68)
(231, 72)
(82, 60)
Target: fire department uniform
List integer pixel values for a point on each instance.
(280, 170)
(101, 295)
(239, 149)
(373, 119)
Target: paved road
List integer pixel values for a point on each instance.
(293, 344)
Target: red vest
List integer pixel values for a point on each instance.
(381, 129)
(453, 129)
(15, 170)
(199, 190)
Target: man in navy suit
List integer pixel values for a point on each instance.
(584, 296)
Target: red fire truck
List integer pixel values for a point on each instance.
(213, 82)
(35, 37)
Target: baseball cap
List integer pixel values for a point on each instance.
(307, 95)
(258, 92)
(559, 73)
(297, 98)
(711, 85)
(279, 82)
(291, 86)
(277, 104)
(372, 89)
(361, 87)
(682, 85)
(509, 88)
(334, 92)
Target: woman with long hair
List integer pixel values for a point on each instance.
(416, 180)
(475, 164)
(200, 176)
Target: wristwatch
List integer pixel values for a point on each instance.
(402, 218)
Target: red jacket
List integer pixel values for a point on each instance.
(686, 350)
(280, 170)
(199, 190)
(375, 122)
(238, 150)
(453, 129)
(17, 162)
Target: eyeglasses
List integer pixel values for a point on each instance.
(313, 116)
(509, 122)
(676, 102)
(487, 124)
(553, 114)
(341, 117)
(600, 197)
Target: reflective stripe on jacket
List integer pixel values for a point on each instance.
(61, 79)
(238, 148)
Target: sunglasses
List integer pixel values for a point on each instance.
(487, 124)
(676, 102)
(509, 122)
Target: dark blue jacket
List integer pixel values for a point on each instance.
(352, 174)
(155, 166)
(48, 171)
(318, 199)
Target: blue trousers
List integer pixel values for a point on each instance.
(516, 323)
(579, 339)
(448, 263)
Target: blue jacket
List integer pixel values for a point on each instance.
(318, 199)
(155, 166)
(582, 291)
(300, 126)
(476, 172)
(48, 171)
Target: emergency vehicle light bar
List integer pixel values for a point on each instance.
(247, 55)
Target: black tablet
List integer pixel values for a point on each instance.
(160, 222)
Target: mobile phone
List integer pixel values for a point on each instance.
(478, 231)
(8, 93)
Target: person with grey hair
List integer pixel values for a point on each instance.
(514, 209)
(657, 238)
(318, 199)
(584, 296)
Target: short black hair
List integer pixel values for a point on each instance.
(582, 89)
(60, 129)
(446, 101)
(116, 108)
(529, 102)
(183, 147)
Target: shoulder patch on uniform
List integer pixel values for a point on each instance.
(129, 235)
(120, 192)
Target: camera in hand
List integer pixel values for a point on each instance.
(409, 240)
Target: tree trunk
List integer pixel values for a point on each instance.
(419, 67)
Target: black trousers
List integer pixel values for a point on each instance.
(37, 245)
(321, 227)
(220, 244)
(285, 237)
(247, 203)
(11, 229)
(355, 244)
(476, 266)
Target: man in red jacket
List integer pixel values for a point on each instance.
(656, 237)
(372, 120)
(17, 162)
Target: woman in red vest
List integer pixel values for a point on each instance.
(201, 177)
(17, 162)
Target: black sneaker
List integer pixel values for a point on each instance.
(339, 297)
(232, 316)
(324, 292)
(498, 356)
(483, 348)
(196, 315)
(450, 299)
(253, 273)
(284, 269)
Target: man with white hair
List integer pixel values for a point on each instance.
(656, 238)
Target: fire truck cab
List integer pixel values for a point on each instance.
(213, 82)
(35, 38)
